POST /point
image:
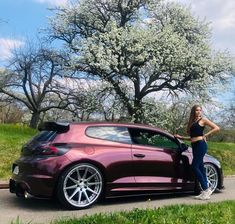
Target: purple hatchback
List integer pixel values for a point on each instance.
(80, 162)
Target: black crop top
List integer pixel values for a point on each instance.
(196, 129)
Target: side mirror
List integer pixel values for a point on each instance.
(183, 147)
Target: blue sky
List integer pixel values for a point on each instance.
(20, 20)
(23, 19)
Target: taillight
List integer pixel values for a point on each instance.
(51, 150)
(48, 150)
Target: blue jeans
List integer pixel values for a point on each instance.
(199, 151)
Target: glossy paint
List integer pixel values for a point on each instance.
(126, 168)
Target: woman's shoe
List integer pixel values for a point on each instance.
(200, 195)
(209, 191)
(204, 196)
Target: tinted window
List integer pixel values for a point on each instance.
(117, 134)
(151, 138)
(44, 136)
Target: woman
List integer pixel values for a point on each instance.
(195, 130)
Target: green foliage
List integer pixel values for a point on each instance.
(224, 136)
(12, 137)
(210, 213)
(14, 130)
(168, 116)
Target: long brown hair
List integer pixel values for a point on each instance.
(192, 117)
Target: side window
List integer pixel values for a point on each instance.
(151, 138)
(162, 141)
(117, 134)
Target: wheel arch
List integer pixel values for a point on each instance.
(197, 187)
(92, 162)
(218, 172)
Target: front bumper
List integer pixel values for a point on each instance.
(221, 179)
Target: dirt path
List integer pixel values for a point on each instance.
(43, 211)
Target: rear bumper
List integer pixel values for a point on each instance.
(37, 176)
(18, 188)
(39, 187)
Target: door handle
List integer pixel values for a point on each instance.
(139, 155)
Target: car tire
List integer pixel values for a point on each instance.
(80, 186)
(212, 177)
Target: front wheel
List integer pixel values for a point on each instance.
(80, 186)
(212, 178)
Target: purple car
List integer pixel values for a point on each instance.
(80, 162)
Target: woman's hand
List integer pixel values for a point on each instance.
(204, 138)
(178, 136)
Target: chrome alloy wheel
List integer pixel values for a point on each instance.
(82, 185)
(212, 176)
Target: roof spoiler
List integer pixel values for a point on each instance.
(54, 126)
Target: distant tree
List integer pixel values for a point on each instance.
(10, 110)
(32, 79)
(231, 116)
(92, 100)
(172, 113)
(228, 114)
(140, 47)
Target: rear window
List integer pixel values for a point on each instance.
(117, 134)
(44, 136)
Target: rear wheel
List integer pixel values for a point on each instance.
(80, 186)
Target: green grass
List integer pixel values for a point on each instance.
(209, 213)
(12, 137)
(225, 153)
(216, 213)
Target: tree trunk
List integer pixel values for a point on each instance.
(34, 119)
(138, 112)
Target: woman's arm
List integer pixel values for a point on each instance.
(213, 126)
(182, 137)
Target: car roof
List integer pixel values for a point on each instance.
(107, 123)
(63, 126)
(120, 124)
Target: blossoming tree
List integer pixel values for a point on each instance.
(140, 47)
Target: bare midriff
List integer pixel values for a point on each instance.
(195, 139)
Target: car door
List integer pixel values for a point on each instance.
(113, 150)
(158, 163)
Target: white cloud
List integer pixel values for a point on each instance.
(221, 16)
(53, 2)
(219, 13)
(7, 45)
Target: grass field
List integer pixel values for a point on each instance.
(225, 153)
(12, 137)
(209, 213)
